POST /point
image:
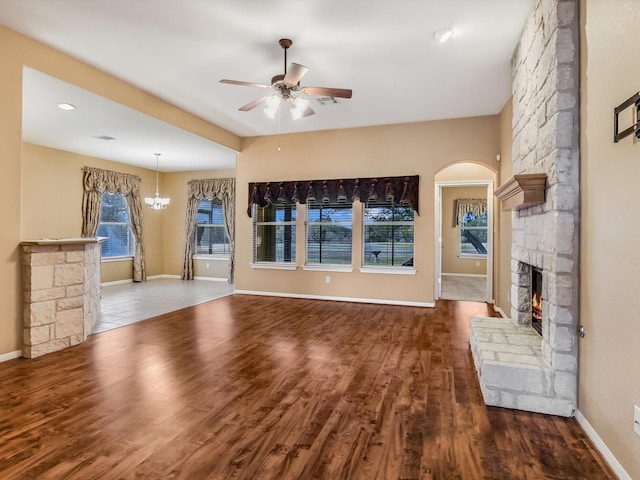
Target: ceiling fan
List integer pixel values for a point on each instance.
(285, 85)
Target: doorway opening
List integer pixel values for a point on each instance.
(464, 240)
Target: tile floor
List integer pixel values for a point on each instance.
(455, 287)
(128, 303)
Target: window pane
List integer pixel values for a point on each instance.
(471, 220)
(329, 234)
(275, 243)
(114, 224)
(114, 208)
(119, 243)
(473, 241)
(274, 234)
(211, 240)
(388, 245)
(210, 235)
(473, 234)
(388, 235)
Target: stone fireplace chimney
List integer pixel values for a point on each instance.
(545, 71)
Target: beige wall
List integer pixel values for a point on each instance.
(502, 261)
(10, 153)
(408, 149)
(49, 174)
(609, 380)
(16, 52)
(175, 185)
(451, 260)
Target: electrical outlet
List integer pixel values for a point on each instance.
(477, 264)
(327, 279)
(636, 419)
(207, 264)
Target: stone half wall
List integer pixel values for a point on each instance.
(545, 71)
(61, 294)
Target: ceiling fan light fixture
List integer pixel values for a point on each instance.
(301, 104)
(273, 101)
(296, 113)
(443, 36)
(271, 112)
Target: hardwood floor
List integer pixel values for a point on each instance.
(266, 388)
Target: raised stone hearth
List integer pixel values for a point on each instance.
(508, 358)
(516, 367)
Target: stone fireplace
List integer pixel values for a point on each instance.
(516, 368)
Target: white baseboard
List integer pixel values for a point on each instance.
(10, 355)
(602, 447)
(116, 282)
(164, 275)
(337, 299)
(498, 309)
(211, 279)
(463, 275)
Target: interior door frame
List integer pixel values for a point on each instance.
(488, 184)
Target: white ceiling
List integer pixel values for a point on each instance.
(178, 50)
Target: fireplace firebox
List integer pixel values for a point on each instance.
(536, 299)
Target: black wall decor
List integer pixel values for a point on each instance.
(617, 135)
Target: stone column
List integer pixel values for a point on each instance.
(61, 293)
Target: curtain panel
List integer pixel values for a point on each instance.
(400, 190)
(223, 189)
(462, 206)
(97, 181)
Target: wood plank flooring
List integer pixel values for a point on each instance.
(251, 387)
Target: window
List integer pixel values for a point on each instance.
(329, 234)
(473, 235)
(114, 224)
(388, 235)
(211, 234)
(274, 234)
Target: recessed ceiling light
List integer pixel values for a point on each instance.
(443, 35)
(66, 106)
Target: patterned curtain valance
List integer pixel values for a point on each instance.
(400, 190)
(107, 180)
(211, 188)
(462, 206)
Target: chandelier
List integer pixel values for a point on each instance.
(157, 202)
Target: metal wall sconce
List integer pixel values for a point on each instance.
(617, 135)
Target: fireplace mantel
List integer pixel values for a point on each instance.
(522, 191)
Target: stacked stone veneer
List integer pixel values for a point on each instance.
(545, 70)
(61, 294)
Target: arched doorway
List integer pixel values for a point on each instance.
(464, 232)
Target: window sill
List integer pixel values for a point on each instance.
(202, 256)
(125, 258)
(471, 255)
(275, 266)
(389, 270)
(329, 268)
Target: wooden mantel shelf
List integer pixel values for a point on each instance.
(522, 191)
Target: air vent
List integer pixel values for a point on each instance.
(327, 100)
(104, 137)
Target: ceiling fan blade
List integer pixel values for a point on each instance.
(246, 84)
(327, 92)
(295, 73)
(308, 112)
(254, 104)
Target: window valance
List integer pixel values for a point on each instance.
(399, 190)
(462, 206)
